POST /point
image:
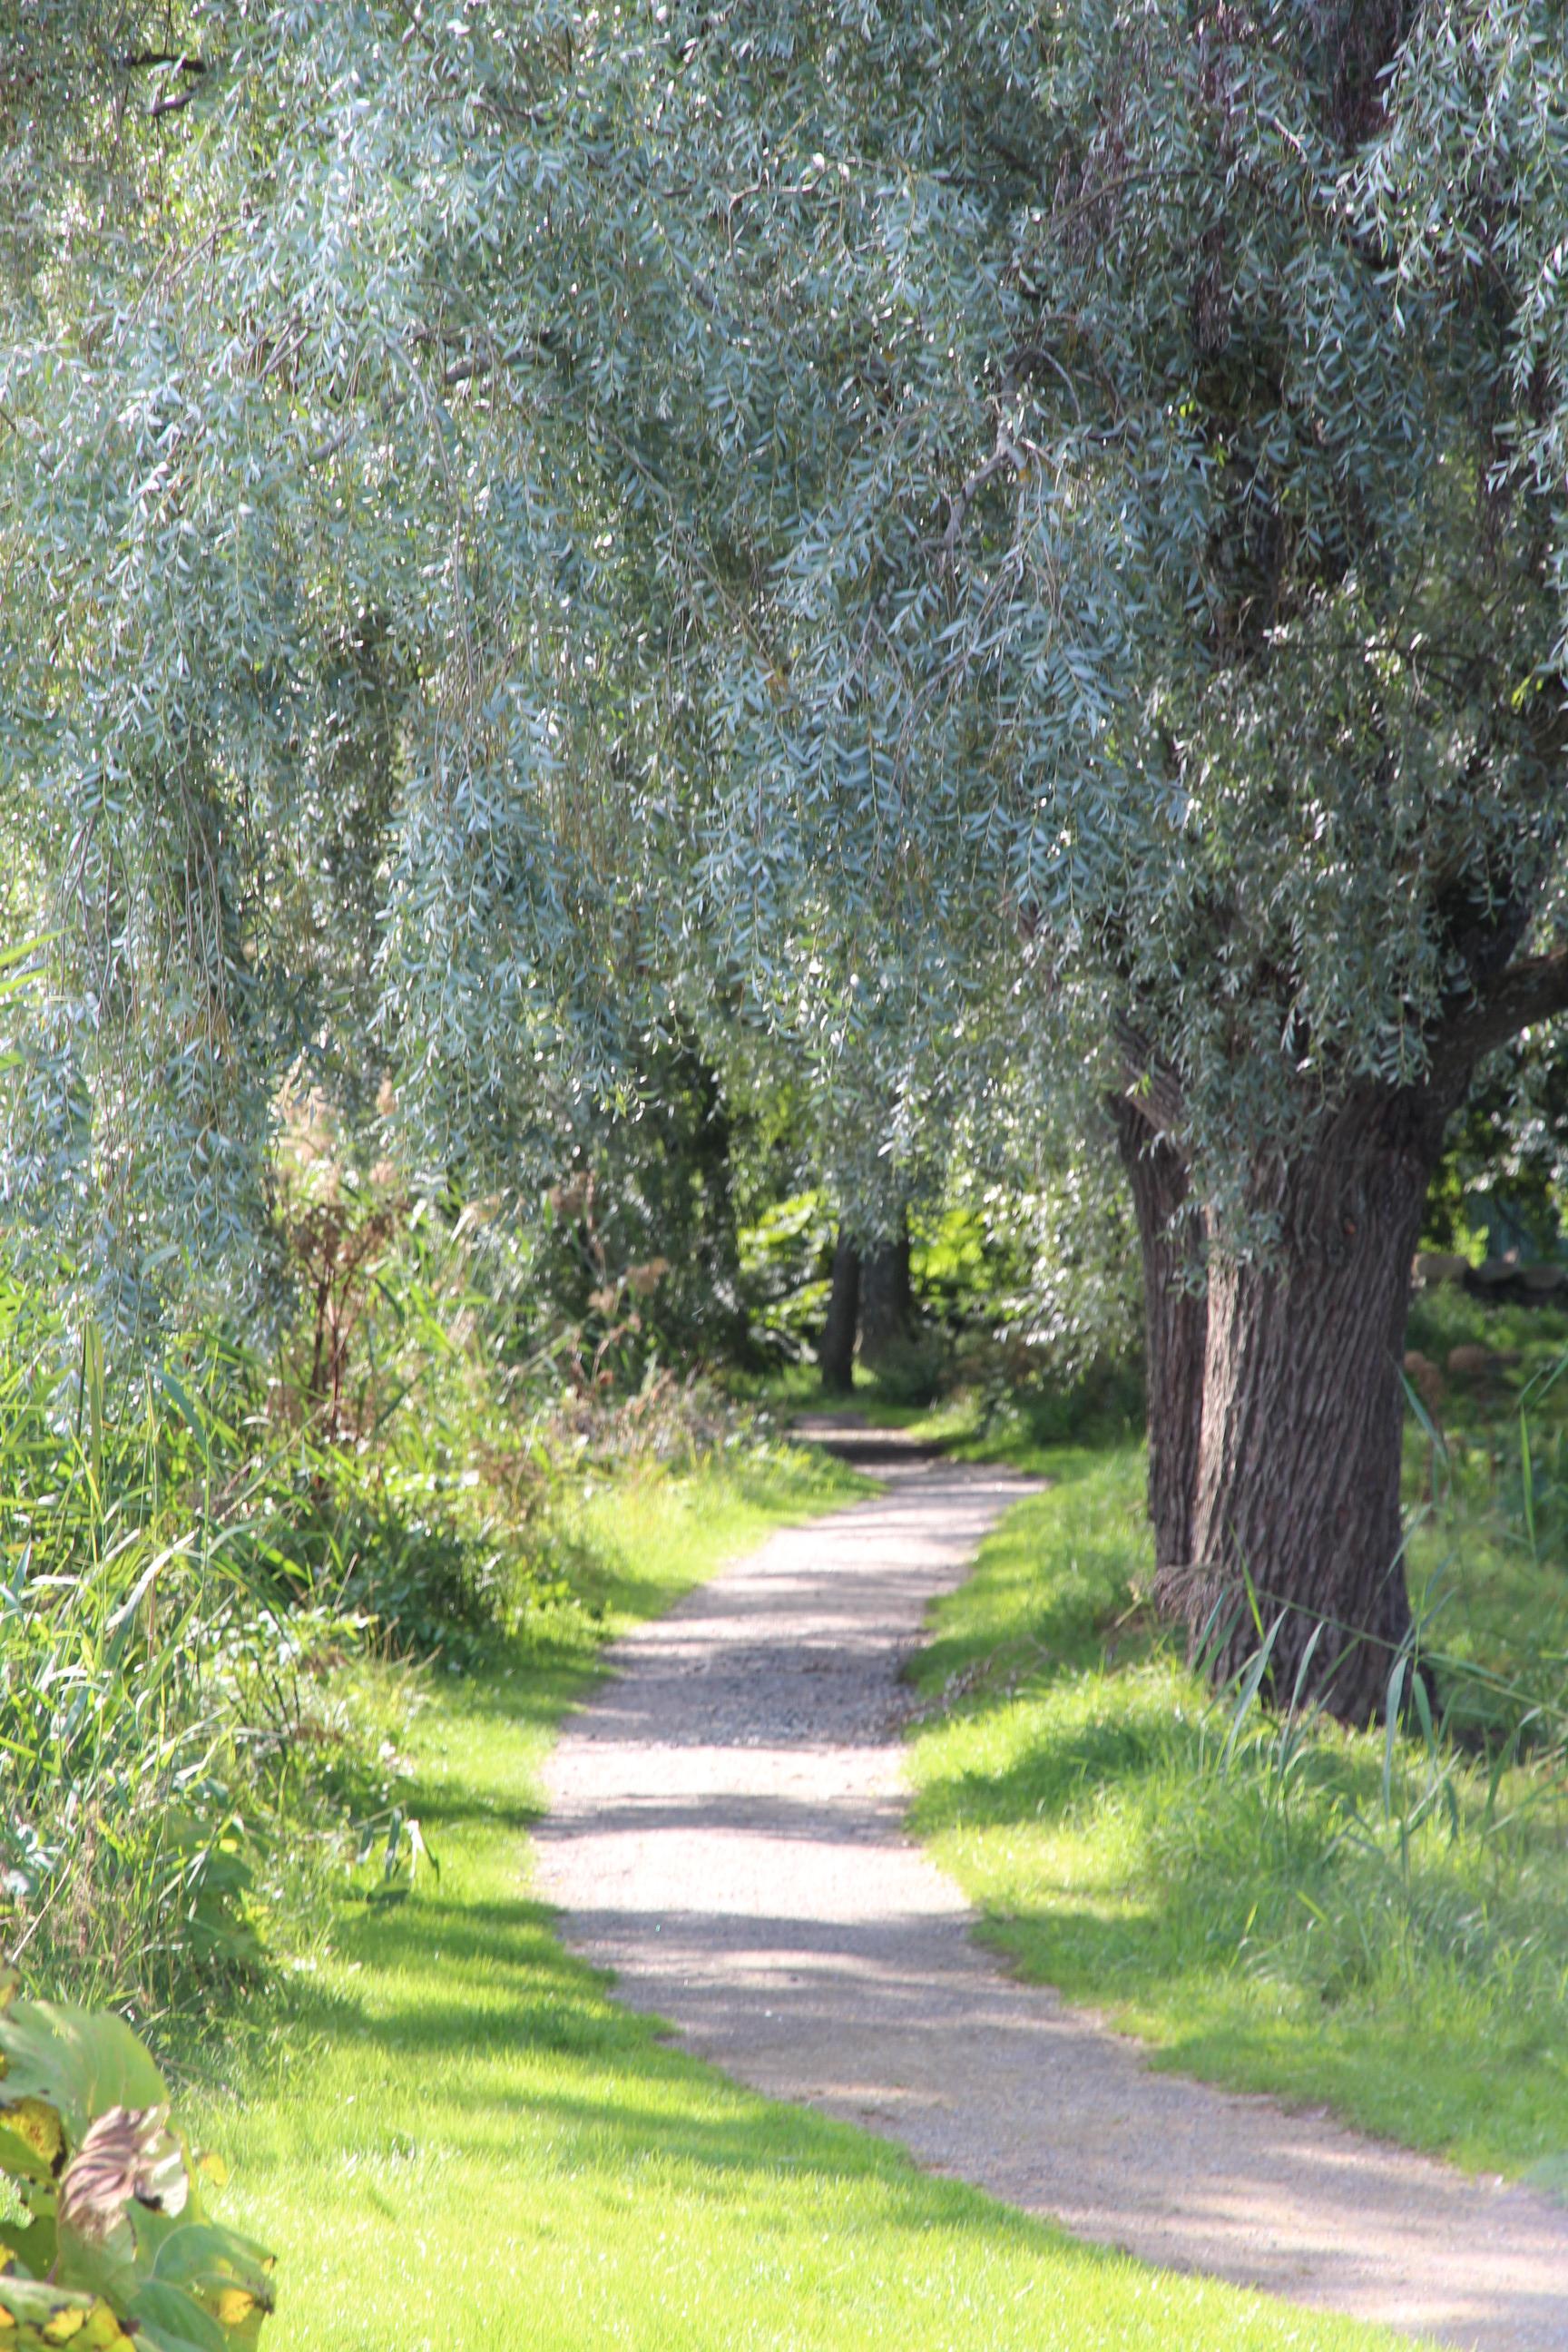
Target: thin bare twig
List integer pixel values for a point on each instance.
(1007, 453)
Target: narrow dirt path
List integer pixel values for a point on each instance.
(726, 1835)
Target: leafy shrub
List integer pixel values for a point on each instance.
(914, 1371)
(785, 1255)
(112, 2249)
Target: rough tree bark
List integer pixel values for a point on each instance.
(1175, 1316)
(1298, 1431)
(719, 1247)
(887, 1300)
(837, 1354)
(1298, 1472)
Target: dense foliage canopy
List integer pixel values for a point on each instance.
(638, 501)
(962, 538)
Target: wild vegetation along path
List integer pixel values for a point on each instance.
(726, 1834)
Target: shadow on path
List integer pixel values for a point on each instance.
(726, 1834)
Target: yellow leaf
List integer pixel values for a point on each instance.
(37, 2126)
(35, 2317)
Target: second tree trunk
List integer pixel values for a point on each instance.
(1175, 1317)
(887, 1300)
(1296, 1518)
(837, 1354)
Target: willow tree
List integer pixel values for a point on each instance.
(1305, 276)
(1171, 572)
(1059, 508)
(1185, 586)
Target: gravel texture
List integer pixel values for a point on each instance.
(726, 1835)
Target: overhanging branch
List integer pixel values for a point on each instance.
(181, 60)
(1527, 992)
(1007, 452)
(173, 96)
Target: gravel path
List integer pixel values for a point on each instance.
(726, 1835)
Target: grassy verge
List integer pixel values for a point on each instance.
(453, 2138)
(970, 1423)
(1300, 1910)
(1486, 1487)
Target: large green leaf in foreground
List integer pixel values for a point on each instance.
(116, 2246)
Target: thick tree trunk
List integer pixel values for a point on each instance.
(1296, 1534)
(1175, 1317)
(1298, 1493)
(887, 1300)
(837, 1354)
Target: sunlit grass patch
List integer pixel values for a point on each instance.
(454, 2138)
(1297, 1908)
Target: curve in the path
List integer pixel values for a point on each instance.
(726, 1835)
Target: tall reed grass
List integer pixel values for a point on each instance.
(168, 1714)
(217, 1599)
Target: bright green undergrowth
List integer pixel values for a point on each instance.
(1486, 1487)
(458, 2139)
(972, 1422)
(188, 1720)
(1282, 1907)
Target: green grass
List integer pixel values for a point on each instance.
(1276, 1920)
(968, 1423)
(452, 2137)
(1486, 1572)
(965, 1425)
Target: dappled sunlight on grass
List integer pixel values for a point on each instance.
(462, 2142)
(1283, 1918)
